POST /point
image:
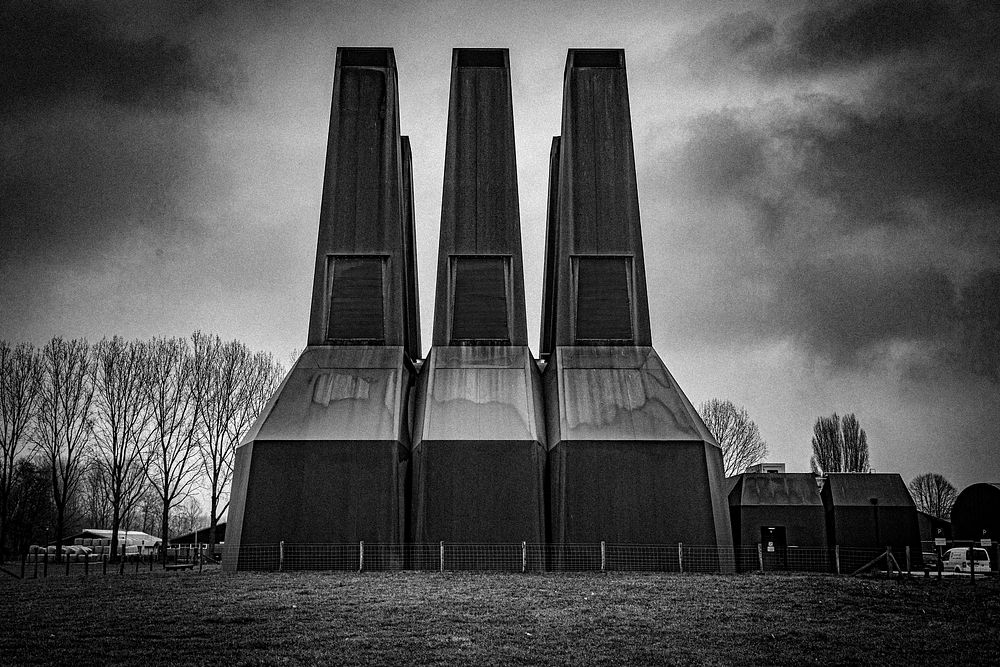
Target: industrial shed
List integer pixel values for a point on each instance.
(976, 514)
(784, 513)
(867, 512)
(201, 536)
(932, 527)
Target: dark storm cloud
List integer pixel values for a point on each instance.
(845, 308)
(873, 160)
(862, 200)
(101, 128)
(52, 52)
(846, 36)
(842, 35)
(979, 325)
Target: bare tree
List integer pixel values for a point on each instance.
(173, 464)
(122, 418)
(147, 513)
(237, 384)
(827, 446)
(839, 445)
(64, 428)
(933, 494)
(30, 504)
(187, 518)
(20, 384)
(855, 445)
(738, 435)
(94, 499)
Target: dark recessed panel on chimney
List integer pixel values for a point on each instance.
(356, 299)
(603, 300)
(479, 300)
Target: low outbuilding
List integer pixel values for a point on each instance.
(784, 514)
(868, 512)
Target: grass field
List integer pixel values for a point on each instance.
(422, 618)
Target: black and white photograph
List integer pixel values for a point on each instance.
(465, 332)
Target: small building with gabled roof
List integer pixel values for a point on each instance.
(871, 511)
(784, 513)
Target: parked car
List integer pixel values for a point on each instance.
(959, 559)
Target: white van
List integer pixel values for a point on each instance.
(957, 560)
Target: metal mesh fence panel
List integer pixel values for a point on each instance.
(536, 557)
(851, 559)
(642, 557)
(806, 559)
(255, 557)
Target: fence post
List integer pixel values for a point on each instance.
(281, 555)
(45, 565)
(908, 571)
(361, 556)
(524, 557)
(888, 562)
(201, 559)
(972, 563)
(836, 555)
(604, 557)
(760, 557)
(36, 565)
(441, 547)
(680, 556)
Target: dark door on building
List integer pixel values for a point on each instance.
(774, 547)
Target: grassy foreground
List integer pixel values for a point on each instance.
(427, 618)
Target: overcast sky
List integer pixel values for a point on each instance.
(819, 187)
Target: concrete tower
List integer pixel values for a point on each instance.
(478, 440)
(326, 461)
(630, 460)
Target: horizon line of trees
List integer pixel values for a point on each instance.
(123, 430)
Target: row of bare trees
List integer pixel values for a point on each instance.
(138, 418)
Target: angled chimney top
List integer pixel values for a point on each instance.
(496, 58)
(605, 58)
(366, 57)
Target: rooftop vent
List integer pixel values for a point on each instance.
(351, 57)
(613, 58)
(481, 58)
